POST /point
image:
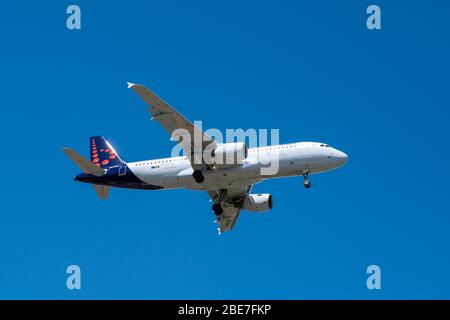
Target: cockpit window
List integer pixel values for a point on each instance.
(325, 145)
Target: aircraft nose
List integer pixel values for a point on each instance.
(341, 157)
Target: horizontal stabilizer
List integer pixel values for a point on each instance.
(102, 191)
(84, 164)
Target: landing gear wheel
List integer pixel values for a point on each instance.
(217, 208)
(198, 176)
(307, 183)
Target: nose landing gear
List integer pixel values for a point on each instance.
(306, 181)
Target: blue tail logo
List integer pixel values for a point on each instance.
(103, 154)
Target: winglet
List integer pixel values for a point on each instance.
(130, 85)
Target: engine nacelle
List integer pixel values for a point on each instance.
(257, 202)
(229, 154)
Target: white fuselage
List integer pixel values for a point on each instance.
(261, 163)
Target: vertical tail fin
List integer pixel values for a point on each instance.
(103, 154)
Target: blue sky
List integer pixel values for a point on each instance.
(312, 70)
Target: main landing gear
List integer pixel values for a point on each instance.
(217, 208)
(306, 181)
(198, 176)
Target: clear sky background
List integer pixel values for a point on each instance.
(311, 69)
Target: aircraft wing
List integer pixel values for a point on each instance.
(230, 199)
(172, 120)
(228, 218)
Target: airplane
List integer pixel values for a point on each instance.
(228, 184)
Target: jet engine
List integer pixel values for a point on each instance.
(257, 202)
